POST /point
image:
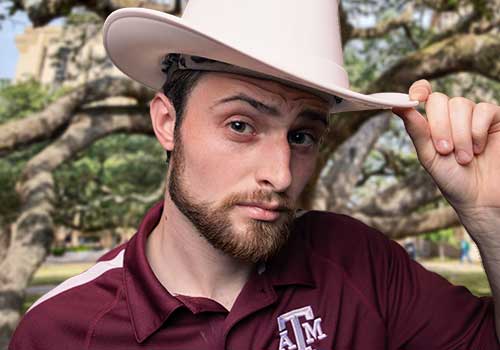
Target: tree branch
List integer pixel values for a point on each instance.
(383, 27)
(397, 227)
(462, 26)
(33, 230)
(402, 198)
(350, 32)
(42, 125)
(338, 179)
(42, 12)
(440, 5)
(459, 53)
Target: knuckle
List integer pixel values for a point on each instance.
(484, 107)
(438, 95)
(478, 133)
(460, 102)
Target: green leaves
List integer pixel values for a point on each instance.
(98, 185)
(20, 100)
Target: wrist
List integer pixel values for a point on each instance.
(483, 224)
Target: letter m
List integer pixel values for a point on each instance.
(314, 332)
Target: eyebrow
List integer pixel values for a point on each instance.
(266, 109)
(314, 115)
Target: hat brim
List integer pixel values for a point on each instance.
(137, 40)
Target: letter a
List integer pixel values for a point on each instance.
(285, 341)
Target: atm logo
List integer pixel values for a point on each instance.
(305, 333)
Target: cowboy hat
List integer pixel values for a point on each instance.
(294, 41)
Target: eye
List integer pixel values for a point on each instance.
(302, 139)
(241, 127)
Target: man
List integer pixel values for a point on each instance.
(227, 261)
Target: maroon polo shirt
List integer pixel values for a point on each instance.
(338, 284)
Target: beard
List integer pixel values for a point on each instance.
(257, 241)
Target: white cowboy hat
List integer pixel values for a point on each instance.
(294, 41)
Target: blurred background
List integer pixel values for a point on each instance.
(79, 164)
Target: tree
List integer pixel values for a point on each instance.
(447, 42)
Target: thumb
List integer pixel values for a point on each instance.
(418, 128)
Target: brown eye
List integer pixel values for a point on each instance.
(241, 127)
(302, 139)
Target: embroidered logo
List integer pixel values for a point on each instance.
(305, 333)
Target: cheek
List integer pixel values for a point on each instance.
(212, 166)
(302, 169)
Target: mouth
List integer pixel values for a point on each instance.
(262, 211)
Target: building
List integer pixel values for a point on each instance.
(45, 57)
(56, 55)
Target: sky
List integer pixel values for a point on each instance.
(10, 27)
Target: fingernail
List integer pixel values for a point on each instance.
(444, 146)
(463, 157)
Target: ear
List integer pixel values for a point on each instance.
(163, 119)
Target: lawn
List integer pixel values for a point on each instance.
(56, 273)
(476, 282)
(468, 275)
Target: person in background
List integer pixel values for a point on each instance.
(465, 251)
(410, 248)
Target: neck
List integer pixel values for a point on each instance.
(186, 263)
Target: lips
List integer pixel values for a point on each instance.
(262, 211)
(265, 206)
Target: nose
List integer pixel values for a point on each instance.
(274, 168)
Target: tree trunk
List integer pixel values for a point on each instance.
(33, 232)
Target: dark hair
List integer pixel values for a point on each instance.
(178, 90)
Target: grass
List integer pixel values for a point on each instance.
(476, 282)
(28, 301)
(56, 273)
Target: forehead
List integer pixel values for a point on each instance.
(214, 85)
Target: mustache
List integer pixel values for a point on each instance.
(261, 196)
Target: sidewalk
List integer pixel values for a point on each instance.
(76, 257)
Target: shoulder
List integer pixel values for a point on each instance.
(327, 230)
(356, 248)
(64, 315)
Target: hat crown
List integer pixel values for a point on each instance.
(293, 27)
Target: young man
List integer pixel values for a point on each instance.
(226, 261)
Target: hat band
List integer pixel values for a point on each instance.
(174, 62)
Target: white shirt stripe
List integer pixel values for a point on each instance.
(85, 277)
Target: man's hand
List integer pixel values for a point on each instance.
(459, 145)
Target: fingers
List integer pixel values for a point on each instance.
(460, 115)
(484, 115)
(455, 125)
(439, 122)
(420, 90)
(418, 129)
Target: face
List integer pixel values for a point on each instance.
(244, 153)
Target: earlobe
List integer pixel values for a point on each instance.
(163, 120)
